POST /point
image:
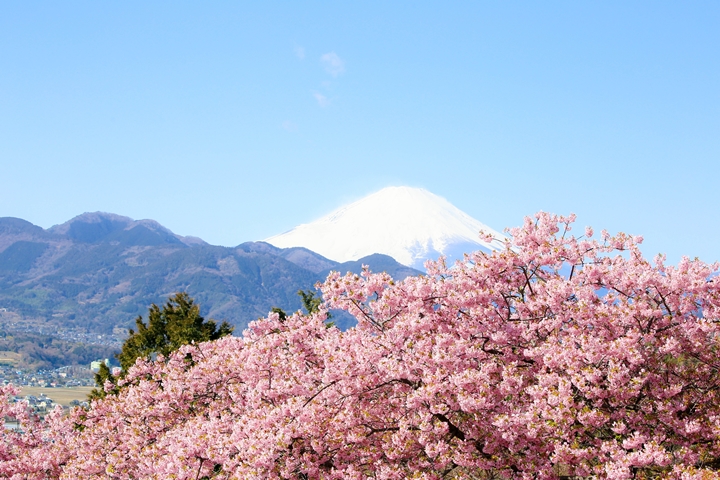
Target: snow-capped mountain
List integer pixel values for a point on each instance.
(409, 224)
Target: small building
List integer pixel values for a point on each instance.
(95, 366)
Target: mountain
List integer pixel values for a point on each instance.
(108, 227)
(410, 225)
(93, 275)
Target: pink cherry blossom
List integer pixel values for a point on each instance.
(558, 356)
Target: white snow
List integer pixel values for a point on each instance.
(409, 224)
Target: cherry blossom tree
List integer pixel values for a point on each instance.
(559, 356)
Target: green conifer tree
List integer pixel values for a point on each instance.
(310, 301)
(178, 323)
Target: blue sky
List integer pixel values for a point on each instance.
(236, 121)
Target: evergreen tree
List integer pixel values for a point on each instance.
(310, 301)
(103, 375)
(281, 313)
(178, 323)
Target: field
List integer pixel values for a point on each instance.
(63, 396)
(9, 358)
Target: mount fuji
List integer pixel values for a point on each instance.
(409, 224)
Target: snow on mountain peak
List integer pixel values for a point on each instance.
(409, 224)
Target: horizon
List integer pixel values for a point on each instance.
(480, 243)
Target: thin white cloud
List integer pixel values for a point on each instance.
(299, 52)
(289, 126)
(333, 64)
(322, 100)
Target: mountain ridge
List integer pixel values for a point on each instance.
(95, 226)
(97, 272)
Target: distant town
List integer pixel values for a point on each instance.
(13, 322)
(70, 376)
(70, 385)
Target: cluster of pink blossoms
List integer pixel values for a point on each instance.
(557, 357)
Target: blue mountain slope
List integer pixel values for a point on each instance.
(99, 271)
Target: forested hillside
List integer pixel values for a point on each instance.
(33, 351)
(98, 272)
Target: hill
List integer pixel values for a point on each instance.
(88, 279)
